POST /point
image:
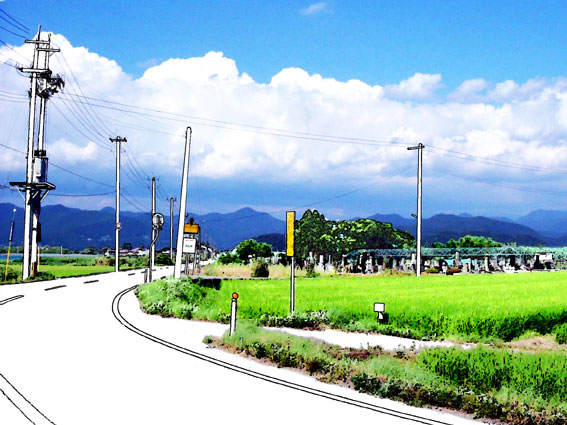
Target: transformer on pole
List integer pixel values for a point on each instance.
(36, 187)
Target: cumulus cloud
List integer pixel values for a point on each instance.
(469, 90)
(304, 128)
(419, 86)
(315, 8)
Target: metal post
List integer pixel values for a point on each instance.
(292, 286)
(182, 205)
(29, 163)
(152, 247)
(117, 226)
(419, 149)
(171, 201)
(233, 308)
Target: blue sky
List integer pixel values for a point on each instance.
(479, 78)
(377, 42)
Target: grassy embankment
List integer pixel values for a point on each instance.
(519, 387)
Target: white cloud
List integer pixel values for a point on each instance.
(419, 86)
(522, 123)
(469, 90)
(315, 8)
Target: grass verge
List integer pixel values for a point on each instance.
(405, 376)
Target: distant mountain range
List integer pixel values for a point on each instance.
(77, 229)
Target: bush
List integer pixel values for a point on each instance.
(229, 258)
(452, 271)
(163, 260)
(432, 270)
(260, 269)
(103, 261)
(12, 276)
(310, 270)
(41, 276)
(561, 334)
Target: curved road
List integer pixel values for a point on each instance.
(80, 351)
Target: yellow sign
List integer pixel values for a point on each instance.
(191, 228)
(290, 221)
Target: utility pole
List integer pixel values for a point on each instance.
(152, 247)
(182, 205)
(49, 85)
(419, 149)
(36, 186)
(117, 226)
(171, 201)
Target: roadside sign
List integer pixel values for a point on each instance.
(189, 245)
(290, 220)
(191, 228)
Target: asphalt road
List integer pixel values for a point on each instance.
(80, 351)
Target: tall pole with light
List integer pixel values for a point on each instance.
(419, 149)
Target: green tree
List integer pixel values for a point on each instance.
(250, 247)
(314, 233)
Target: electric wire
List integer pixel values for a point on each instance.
(15, 51)
(491, 161)
(75, 82)
(12, 32)
(493, 183)
(51, 164)
(21, 26)
(342, 195)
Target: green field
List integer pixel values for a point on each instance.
(472, 307)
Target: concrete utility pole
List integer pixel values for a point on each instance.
(49, 85)
(182, 205)
(36, 186)
(117, 226)
(419, 149)
(171, 201)
(152, 247)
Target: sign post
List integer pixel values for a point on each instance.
(290, 222)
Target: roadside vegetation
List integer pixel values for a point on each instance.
(518, 388)
(502, 380)
(58, 267)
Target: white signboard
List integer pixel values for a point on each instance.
(189, 245)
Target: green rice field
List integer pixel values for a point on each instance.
(502, 306)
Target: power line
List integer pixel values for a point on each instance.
(342, 195)
(61, 168)
(14, 50)
(12, 32)
(491, 161)
(493, 183)
(22, 26)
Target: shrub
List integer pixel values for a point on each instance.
(452, 271)
(310, 270)
(561, 334)
(260, 269)
(103, 261)
(229, 258)
(12, 276)
(432, 270)
(163, 260)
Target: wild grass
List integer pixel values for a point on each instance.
(433, 377)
